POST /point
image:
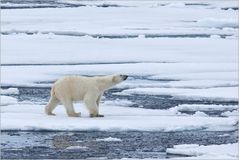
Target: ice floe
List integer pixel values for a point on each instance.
(118, 102)
(230, 113)
(32, 117)
(215, 22)
(6, 100)
(9, 91)
(204, 107)
(220, 93)
(77, 147)
(109, 139)
(223, 151)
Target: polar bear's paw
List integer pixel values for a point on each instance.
(74, 114)
(100, 115)
(96, 115)
(48, 112)
(51, 114)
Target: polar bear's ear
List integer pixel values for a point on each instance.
(116, 79)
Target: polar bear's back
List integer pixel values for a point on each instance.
(72, 87)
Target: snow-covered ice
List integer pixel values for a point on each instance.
(231, 113)
(89, 50)
(6, 100)
(99, 20)
(224, 151)
(212, 22)
(31, 117)
(119, 103)
(77, 147)
(12, 91)
(109, 139)
(218, 93)
(204, 107)
(200, 114)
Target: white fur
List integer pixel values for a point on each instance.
(79, 88)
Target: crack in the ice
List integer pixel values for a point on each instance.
(82, 63)
(116, 36)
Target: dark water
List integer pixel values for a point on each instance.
(133, 144)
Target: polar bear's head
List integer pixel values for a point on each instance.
(119, 78)
(106, 82)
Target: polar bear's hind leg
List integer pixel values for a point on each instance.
(53, 102)
(70, 109)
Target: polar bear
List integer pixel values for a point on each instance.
(79, 88)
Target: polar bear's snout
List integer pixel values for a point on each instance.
(119, 78)
(124, 77)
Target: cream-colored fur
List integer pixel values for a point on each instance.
(79, 88)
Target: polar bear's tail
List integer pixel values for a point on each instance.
(53, 91)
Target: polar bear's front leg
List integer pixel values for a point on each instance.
(98, 105)
(92, 105)
(98, 100)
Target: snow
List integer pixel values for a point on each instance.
(204, 107)
(193, 84)
(118, 102)
(200, 109)
(219, 93)
(213, 22)
(200, 114)
(199, 75)
(109, 139)
(77, 147)
(215, 36)
(64, 19)
(180, 146)
(230, 113)
(6, 100)
(134, 48)
(31, 117)
(9, 91)
(227, 151)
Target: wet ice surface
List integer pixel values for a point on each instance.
(133, 144)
